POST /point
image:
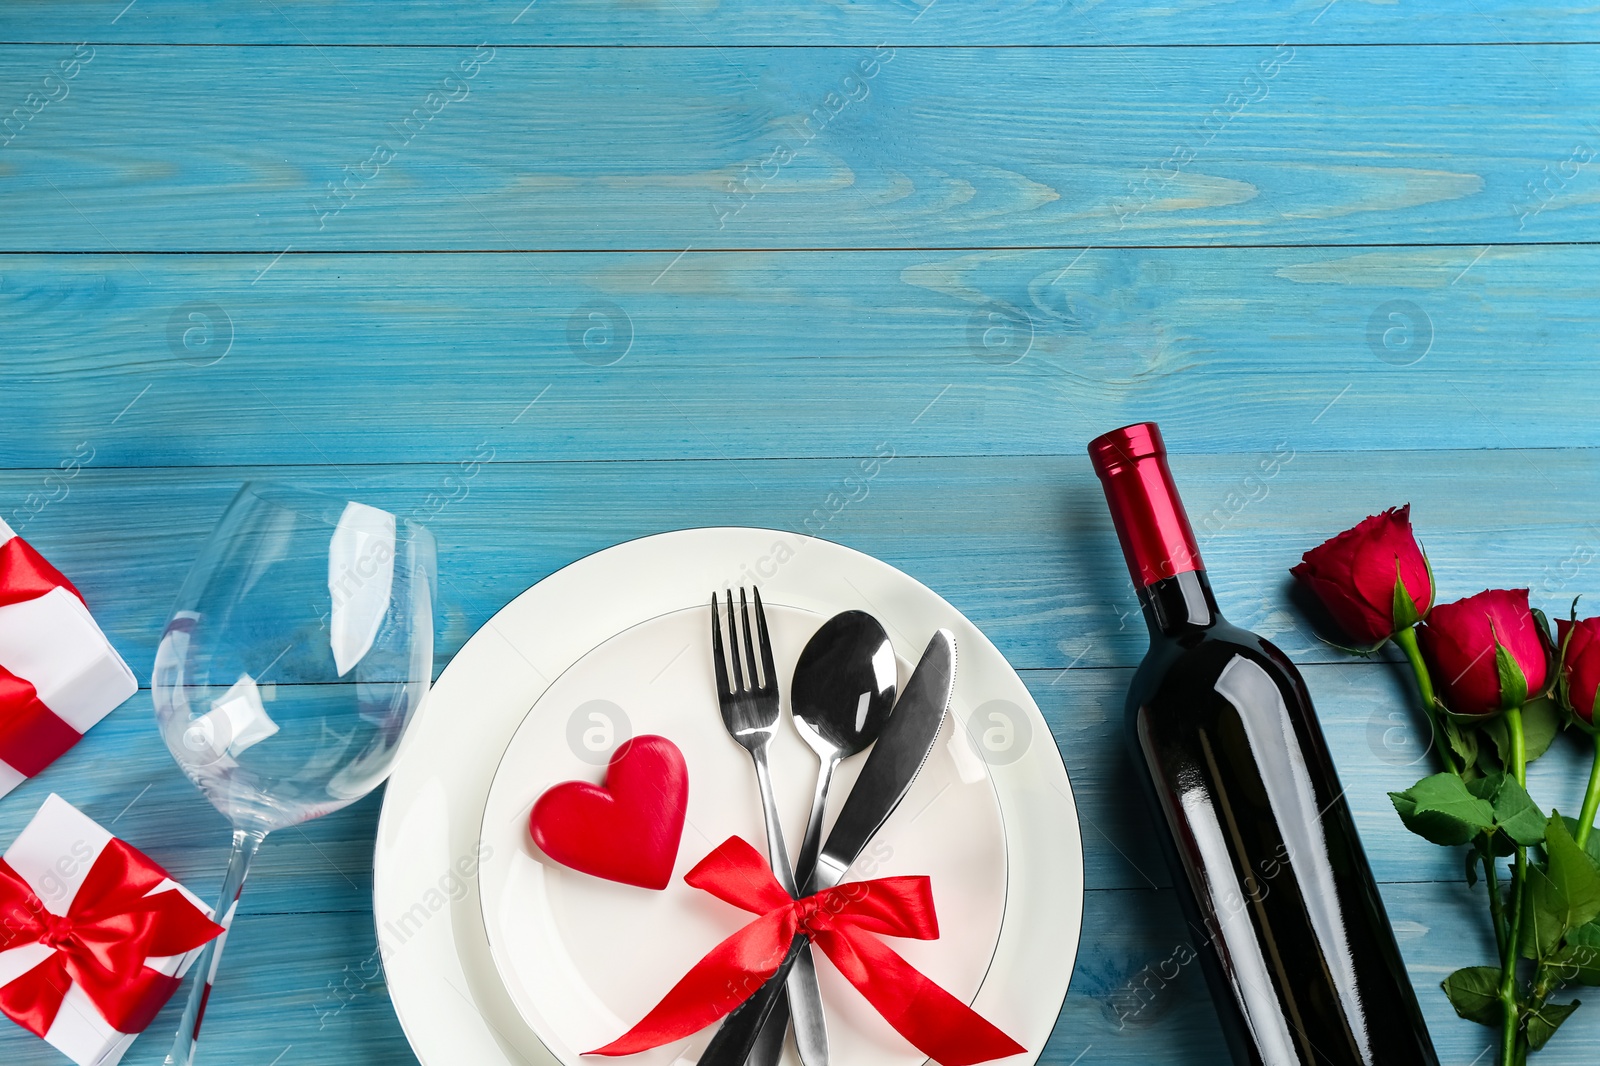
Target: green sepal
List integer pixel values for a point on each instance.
(1433, 586)
(1473, 858)
(1513, 683)
(1466, 720)
(1405, 613)
(1544, 1020)
(1440, 809)
(1563, 689)
(1475, 994)
(1348, 649)
(1542, 625)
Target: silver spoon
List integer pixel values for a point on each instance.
(844, 688)
(843, 691)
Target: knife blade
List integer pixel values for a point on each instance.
(891, 768)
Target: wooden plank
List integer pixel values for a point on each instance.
(557, 148)
(359, 359)
(1051, 22)
(300, 879)
(121, 773)
(285, 977)
(291, 991)
(1022, 545)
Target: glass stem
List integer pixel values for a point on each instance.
(246, 842)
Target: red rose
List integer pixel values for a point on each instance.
(1580, 665)
(1461, 639)
(1356, 575)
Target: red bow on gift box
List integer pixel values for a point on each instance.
(844, 922)
(32, 736)
(101, 943)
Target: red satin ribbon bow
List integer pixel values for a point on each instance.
(840, 921)
(101, 943)
(31, 735)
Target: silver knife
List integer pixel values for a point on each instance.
(891, 768)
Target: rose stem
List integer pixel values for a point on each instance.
(1543, 979)
(1591, 798)
(1407, 639)
(1519, 874)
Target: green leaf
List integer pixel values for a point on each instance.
(1514, 810)
(1543, 1022)
(1440, 809)
(1592, 845)
(1473, 858)
(1565, 894)
(1578, 961)
(1513, 685)
(1475, 994)
(1541, 721)
(1462, 741)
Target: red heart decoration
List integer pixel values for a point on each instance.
(626, 830)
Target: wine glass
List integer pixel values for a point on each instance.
(300, 646)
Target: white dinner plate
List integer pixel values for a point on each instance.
(585, 958)
(433, 865)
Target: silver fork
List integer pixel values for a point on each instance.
(750, 713)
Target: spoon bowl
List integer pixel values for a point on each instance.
(844, 686)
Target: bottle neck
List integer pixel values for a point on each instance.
(1178, 604)
(1152, 526)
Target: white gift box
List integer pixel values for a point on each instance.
(54, 854)
(54, 644)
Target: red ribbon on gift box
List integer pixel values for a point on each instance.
(101, 943)
(845, 923)
(32, 736)
(27, 575)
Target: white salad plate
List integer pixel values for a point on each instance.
(584, 958)
(494, 955)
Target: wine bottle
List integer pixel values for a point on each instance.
(1264, 855)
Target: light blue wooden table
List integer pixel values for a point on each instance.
(684, 262)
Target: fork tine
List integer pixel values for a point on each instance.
(767, 669)
(749, 646)
(717, 655)
(733, 646)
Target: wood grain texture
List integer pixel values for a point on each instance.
(712, 23)
(244, 359)
(1021, 545)
(298, 969)
(1345, 273)
(1042, 583)
(154, 148)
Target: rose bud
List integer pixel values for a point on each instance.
(1463, 641)
(1373, 579)
(1579, 679)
